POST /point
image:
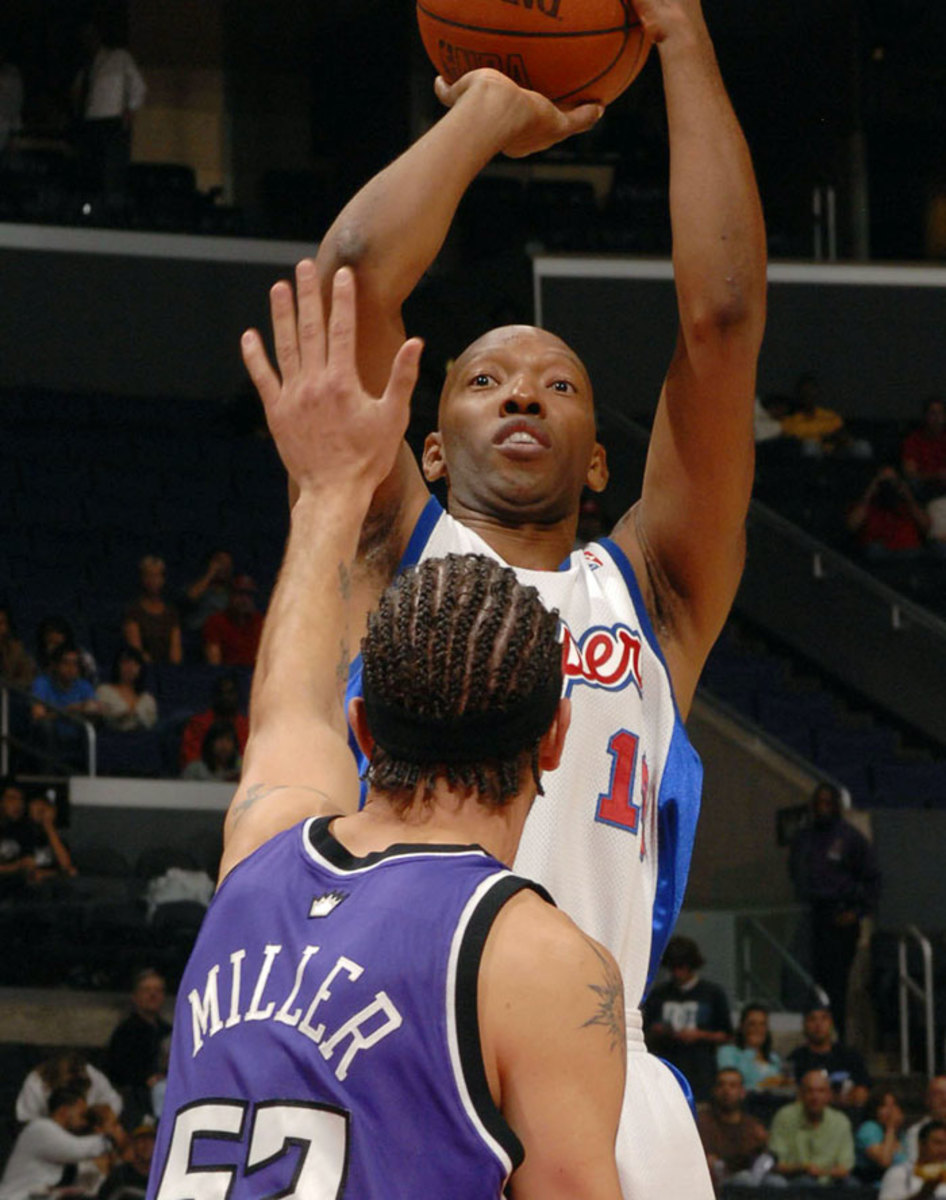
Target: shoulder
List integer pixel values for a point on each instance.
(786, 1116)
(539, 961)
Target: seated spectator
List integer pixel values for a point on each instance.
(877, 1142)
(224, 706)
(845, 1070)
(54, 631)
(124, 702)
(820, 430)
(134, 1051)
(688, 1017)
(751, 1054)
(130, 1178)
(210, 593)
(923, 453)
(16, 861)
(735, 1143)
(220, 757)
(887, 520)
(71, 1070)
(924, 1178)
(231, 637)
(51, 857)
(810, 1140)
(16, 666)
(47, 1144)
(151, 624)
(61, 688)
(935, 1111)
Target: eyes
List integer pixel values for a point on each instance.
(483, 380)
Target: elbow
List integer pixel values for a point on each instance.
(345, 245)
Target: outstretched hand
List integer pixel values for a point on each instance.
(536, 122)
(328, 430)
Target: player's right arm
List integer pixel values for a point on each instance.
(551, 1008)
(337, 441)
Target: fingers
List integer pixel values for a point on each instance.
(341, 324)
(283, 312)
(403, 378)
(311, 322)
(583, 118)
(258, 367)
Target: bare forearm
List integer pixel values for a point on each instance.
(394, 227)
(307, 618)
(716, 214)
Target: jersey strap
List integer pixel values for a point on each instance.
(464, 1031)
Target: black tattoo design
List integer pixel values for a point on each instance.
(259, 791)
(610, 996)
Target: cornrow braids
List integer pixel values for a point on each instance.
(452, 638)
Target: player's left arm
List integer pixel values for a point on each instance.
(551, 1006)
(338, 442)
(686, 536)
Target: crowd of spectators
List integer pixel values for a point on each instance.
(812, 1118)
(89, 1131)
(215, 621)
(816, 1120)
(898, 512)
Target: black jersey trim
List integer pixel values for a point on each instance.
(330, 848)
(467, 1010)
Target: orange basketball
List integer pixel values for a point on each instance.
(570, 50)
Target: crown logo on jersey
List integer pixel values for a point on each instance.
(604, 658)
(324, 906)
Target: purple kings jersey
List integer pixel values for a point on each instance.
(325, 1041)
(613, 835)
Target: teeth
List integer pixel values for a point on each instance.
(522, 438)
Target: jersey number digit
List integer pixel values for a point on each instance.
(320, 1132)
(616, 806)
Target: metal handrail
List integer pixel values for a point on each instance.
(754, 925)
(909, 987)
(6, 740)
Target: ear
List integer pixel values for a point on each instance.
(433, 462)
(358, 721)
(597, 477)
(553, 741)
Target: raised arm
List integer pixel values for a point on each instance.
(392, 230)
(687, 533)
(337, 442)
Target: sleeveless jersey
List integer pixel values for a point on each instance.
(613, 835)
(325, 1039)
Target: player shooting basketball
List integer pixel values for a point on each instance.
(516, 443)
(375, 1007)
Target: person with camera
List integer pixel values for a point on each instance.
(924, 1178)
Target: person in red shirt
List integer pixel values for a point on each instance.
(887, 519)
(923, 453)
(231, 637)
(225, 706)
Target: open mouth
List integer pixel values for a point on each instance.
(521, 438)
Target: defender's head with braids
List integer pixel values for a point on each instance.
(462, 683)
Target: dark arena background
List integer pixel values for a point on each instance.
(128, 429)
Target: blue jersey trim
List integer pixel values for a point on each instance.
(676, 833)
(431, 514)
(684, 1085)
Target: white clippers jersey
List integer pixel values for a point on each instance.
(613, 836)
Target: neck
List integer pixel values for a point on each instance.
(813, 1118)
(447, 819)
(534, 546)
(729, 1116)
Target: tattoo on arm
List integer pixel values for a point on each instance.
(260, 791)
(610, 996)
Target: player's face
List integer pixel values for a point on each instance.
(517, 429)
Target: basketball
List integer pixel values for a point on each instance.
(572, 51)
